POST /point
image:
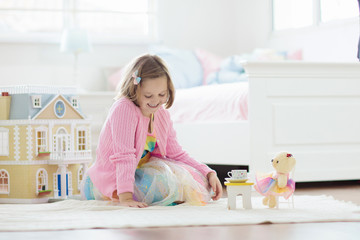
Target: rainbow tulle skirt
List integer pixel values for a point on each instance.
(267, 185)
(162, 182)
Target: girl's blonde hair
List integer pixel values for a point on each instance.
(147, 67)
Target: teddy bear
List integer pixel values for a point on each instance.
(277, 183)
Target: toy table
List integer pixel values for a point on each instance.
(234, 189)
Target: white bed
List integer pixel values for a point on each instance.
(309, 109)
(212, 122)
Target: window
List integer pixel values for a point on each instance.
(75, 102)
(36, 101)
(4, 141)
(106, 20)
(41, 140)
(338, 9)
(81, 139)
(41, 180)
(292, 14)
(4, 182)
(289, 14)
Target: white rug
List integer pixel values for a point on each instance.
(75, 214)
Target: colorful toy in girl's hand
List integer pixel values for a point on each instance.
(277, 183)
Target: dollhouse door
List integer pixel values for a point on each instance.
(59, 184)
(61, 142)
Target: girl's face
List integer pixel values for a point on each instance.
(152, 94)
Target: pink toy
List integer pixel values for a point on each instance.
(277, 183)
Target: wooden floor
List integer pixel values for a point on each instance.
(347, 191)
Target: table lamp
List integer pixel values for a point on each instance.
(75, 41)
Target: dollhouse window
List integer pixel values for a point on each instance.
(59, 108)
(80, 175)
(4, 182)
(36, 101)
(41, 180)
(81, 139)
(4, 141)
(41, 140)
(75, 102)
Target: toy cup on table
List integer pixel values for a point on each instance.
(238, 174)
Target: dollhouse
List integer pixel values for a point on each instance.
(44, 143)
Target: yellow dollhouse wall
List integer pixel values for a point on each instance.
(23, 180)
(23, 142)
(22, 177)
(49, 113)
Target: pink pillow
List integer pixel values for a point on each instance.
(115, 78)
(296, 55)
(209, 62)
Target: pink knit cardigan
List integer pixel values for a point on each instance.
(121, 144)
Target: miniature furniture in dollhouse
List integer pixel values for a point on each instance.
(45, 143)
(234, 189)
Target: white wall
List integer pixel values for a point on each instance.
(224, 27)
(332, 42)
(209, 24)
(44, 64)
(254, 24)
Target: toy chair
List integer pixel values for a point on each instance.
(290, 201)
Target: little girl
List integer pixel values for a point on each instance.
(139, 161)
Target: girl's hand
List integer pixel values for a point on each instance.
(133, 203)
(126, 199)
(215, 185)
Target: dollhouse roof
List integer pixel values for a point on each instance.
(58, 97)
(22, 102)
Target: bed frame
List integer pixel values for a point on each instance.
(309, 109)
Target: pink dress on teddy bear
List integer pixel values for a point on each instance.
(267, 186)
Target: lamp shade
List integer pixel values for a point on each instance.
(75, 40)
